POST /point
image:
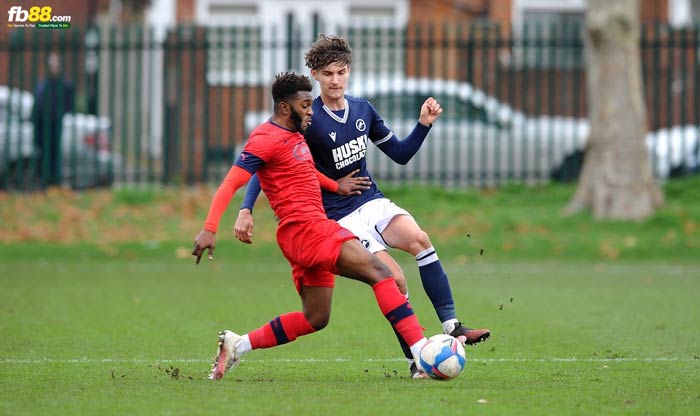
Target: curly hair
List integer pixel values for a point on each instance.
(328, 50)
(288, 84)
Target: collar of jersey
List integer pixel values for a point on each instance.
(335, 116)
(282, 127)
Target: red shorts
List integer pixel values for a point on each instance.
(312, 249)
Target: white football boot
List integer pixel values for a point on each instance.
(417, 373)
(226, 357)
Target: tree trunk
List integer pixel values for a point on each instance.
(616, 181)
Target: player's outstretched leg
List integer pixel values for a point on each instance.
(281, 330)
(226, 357)
(437, 287)
(399, 313)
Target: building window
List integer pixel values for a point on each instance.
(548, 33)
(226, 12)
(683, 13)
(233, 38)
(552, 40)
(376, 31)
(248, 40)
(695, 12)
(233, 55)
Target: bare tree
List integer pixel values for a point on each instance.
(616, 181)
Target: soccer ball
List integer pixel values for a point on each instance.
(442, 357)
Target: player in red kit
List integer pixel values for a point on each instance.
(317, 248)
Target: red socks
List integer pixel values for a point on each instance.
(286, 328)
(398, 311)
(281, 330)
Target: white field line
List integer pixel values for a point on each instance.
(315, 360)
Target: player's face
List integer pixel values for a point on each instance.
(333, 80)
(301, 111)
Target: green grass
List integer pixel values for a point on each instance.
(518, 222)
(511, 223)
(103, 312)
(88, 333)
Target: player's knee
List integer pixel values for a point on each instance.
(418, 242)
(320, 324)
(318, 321)
(374, 271)
(423, 239)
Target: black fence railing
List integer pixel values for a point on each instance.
(132, 106)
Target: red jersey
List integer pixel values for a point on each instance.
(286, 171)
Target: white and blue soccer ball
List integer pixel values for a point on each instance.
(442, 357)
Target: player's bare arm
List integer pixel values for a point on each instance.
(204, 240)
(429, 112)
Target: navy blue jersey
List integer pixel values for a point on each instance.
(339, 141)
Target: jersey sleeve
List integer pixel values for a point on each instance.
(379, 133)
(249, 162)
(327, 183)
(235, 178)
(400, 151)
(255, 153)
(251, 193)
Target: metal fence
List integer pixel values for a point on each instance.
(147, 107)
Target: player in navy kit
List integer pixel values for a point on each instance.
(342, 129)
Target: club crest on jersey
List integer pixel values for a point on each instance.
(360, 124)
(332, 134)
(301, 152)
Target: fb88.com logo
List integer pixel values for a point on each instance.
(34, 14)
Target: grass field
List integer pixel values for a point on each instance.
(128, 325)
